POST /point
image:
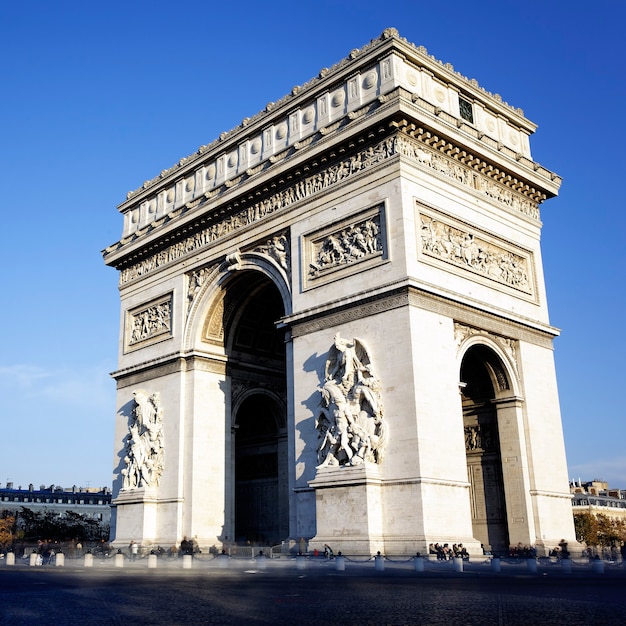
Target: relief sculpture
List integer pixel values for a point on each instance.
(144, 444)
(349, 419)
(351, 244)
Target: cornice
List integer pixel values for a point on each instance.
(389, 39)
(398, 295)
(391, 135)
(359, 87)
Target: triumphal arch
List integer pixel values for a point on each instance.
(334, 325)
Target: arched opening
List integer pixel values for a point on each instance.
(256, 366)
(482, 375)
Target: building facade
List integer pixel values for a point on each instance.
(334, 325)
(89, 502)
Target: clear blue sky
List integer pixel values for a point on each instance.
(98, 97)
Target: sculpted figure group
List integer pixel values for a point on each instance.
(349, 418)
(144, 445)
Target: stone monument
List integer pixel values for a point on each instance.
(335, 327)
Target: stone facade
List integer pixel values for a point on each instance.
(337, 317)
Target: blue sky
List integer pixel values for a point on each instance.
(98, 97)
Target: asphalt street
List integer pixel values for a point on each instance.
(253, 595)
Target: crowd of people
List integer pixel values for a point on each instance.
(445, 552)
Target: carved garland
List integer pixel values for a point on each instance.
(507, 191)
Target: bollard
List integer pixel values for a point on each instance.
(566, 566)
(119, 560)
(10, 558)
(379, 563)
(300, 562)
(223, 561)
(458, 564)
(340, 562)
(597, 566)
(531, 565)
(33, 559)
(187, 561)
(496, 564)
(418, 561)
(152, 561)
(88, 559)
(59, 559)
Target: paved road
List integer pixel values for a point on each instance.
(133, 596)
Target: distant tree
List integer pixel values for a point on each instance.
(7, 531)
(586, 528)
(60, 527)
(599, 529)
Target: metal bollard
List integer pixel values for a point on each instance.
(300, 562)
(152, 561)
(88, 559)
(418, 561)
(187, 560)
(340, 562)
(33, 559)
(458, 564)
(59, 559)
(119, 560)
(10, 558)
(496, 565)
(531, 565)
(379, 563)
(566, 566)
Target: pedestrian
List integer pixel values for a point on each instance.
(133, 550)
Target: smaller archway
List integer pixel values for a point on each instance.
(260, 483)
(483, 378)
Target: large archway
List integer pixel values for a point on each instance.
(256, 367)
(481, 375)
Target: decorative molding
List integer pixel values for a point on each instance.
(408, 295)
(456, 244)
(303, 189)
(172, 364)
(148, 323)
(510, 347)
(445, 158)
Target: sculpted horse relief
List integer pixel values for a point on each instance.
(349, 417)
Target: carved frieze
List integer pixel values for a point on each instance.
(340, 171)
(349, 418)
(457, 244)
(144, 444)
(341, 246)
(149, 323)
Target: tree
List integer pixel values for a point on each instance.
(586, 528)
(7, 531)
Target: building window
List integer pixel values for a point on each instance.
(466, 110)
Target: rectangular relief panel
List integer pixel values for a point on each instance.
(148, 323)
(484, 258)
(351, 245)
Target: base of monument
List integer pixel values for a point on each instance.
(348, 509)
